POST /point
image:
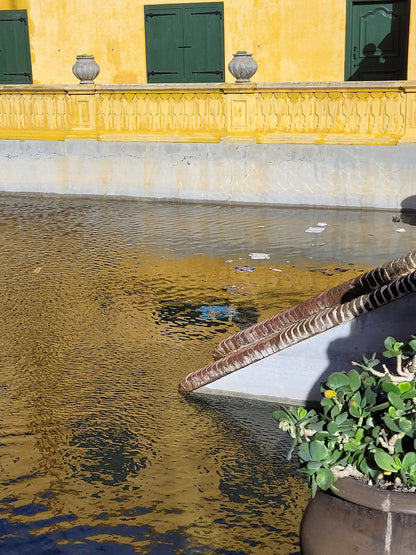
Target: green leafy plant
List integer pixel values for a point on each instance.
(365, 425)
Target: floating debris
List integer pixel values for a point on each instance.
(259, 256)
(400, 230)
(216, 312)
(235, 289)
(316, 229)
(37, 270)
(245, 268)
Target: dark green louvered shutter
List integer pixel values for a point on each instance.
(15, 64)
(184, 43)
(164, 57)
(203, 31)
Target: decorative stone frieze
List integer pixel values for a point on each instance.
(320, 113)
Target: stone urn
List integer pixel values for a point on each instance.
(360, 519)
(242, 66)
(85, 69)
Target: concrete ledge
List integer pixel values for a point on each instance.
(359, 176)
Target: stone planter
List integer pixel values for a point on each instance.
(242, 66)
(360, 519)
(85, 69)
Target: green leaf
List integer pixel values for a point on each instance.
(391, 424)
(354, 380)
(365, 467)
(404, 386)
(396, 400)
(385, 461)
(359, 434)
(324, 478)
(280, 415)
(381, 406)
(411, 394)
(409, 459)
(405, 425)
(341, 418)
(304, 453)
(370, 396)
(302, 413)
(355, 411)
(314, 465)
(332, 428)
(318, 451)
(390, 387)
(412, 344)
(337, 380)
(314, 486)
(335, 411)
(389, 342)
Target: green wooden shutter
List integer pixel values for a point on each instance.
(184, 43)
(15, 64)
(204, 33)
(164, 37)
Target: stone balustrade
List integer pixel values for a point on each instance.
(327, 113)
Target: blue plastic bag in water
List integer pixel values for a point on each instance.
(215, 312)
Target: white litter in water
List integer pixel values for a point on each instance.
(400, 230)
(259, 256)
(260, 226)
(315, 230)
(321, 224)
(276, 270)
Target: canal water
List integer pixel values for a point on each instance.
(100, 320)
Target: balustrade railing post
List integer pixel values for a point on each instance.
(83, 106)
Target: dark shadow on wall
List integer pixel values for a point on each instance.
(372, 67)
(407, 211)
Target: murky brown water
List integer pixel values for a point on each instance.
(99, 322)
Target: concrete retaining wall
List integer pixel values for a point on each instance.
(363, 176)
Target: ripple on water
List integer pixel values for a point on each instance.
(100, 321)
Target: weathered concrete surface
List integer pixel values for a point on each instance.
(364, 176)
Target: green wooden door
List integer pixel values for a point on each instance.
(184, 43)
(15, 64)
(376, 40)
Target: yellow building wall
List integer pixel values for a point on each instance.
(291, 40)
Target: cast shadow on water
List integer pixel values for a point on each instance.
(17, 538)
(24, 538)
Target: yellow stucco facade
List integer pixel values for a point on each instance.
(291, 40)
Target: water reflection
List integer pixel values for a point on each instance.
(99, 312)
